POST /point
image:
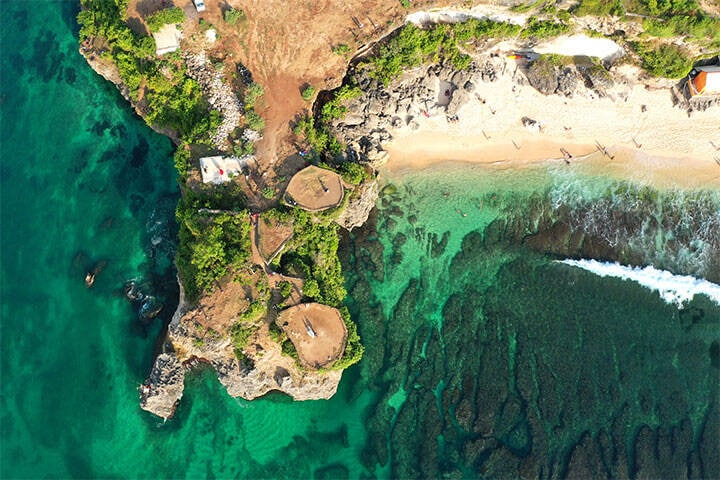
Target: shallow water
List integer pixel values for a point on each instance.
(492, 358)
(484, 356)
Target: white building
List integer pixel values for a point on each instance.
(221, 169)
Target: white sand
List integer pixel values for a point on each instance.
(671, 147)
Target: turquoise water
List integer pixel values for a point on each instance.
(484, 356)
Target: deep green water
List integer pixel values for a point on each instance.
(484, 356)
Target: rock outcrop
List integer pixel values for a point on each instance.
(258, 369)
(109, 71)
(218, 94)
(359, 206)
(163, 389)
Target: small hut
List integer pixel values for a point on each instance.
(704, 81)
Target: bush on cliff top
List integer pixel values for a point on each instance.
(165, 17)
(173, 100)
(667, 61)
(210, 247)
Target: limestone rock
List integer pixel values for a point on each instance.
(358, 209)
(163, 389)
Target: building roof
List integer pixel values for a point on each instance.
(707, 81)
(221, 169)
(315, 189)
(167, 39)
(709, 68)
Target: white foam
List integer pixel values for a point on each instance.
(677, 289)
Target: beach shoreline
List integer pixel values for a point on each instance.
(415, 152)
(634, 131)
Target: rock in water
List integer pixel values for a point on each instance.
(163, 389)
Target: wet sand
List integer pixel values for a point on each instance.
(648, 138)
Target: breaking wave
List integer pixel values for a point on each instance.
(677, 289)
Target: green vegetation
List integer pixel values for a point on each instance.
(353, 348)
(165, 17)
(268, 192)
(667, 61)
(413, 46)
(253, 92)
(277, 334)
(285, 288)
(289, 349)
(173, 100)
(254, 121)
(308, 92)
(317, 136)
(663, 18)
(234, 16)
(334, 108)
(599, 8)
(253, 312)
(353, 173)
(341, 49)
(526, 7)
(312, 255)
(697, 26)
(240, 335)
(543, 29)
(209, 248)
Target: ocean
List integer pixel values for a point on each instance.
(486, 355)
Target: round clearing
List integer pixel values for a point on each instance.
(315, 189)
(317, 331)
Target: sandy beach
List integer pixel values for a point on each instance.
(646, 137)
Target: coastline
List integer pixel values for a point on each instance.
(650, 139)
(416, 152)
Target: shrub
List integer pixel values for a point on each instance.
(268, 192)
(276, 333)
(599, 8)
(308, 92)
(543, 29)
(317, 136)
(698, 26)
(353, 173)
(209, 245)
(354, 349)
(335, 108)
(164, 17)
(667, 61)
(240, 336)
(254, 310)
(252, 93)
(285, 288)
(341, 49)
(234, 16)
(254, 121)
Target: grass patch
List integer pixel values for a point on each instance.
(341, 49)
(234, 16)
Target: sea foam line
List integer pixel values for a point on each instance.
(677, 289)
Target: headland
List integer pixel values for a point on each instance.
(276, 89)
